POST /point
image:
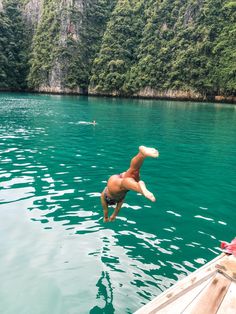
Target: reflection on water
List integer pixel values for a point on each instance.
(52, 172)
(105, 294)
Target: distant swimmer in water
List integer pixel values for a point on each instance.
(119, 184)
(87, 122)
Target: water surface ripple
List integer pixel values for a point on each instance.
(57, 255)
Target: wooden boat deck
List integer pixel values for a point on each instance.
(210, 289)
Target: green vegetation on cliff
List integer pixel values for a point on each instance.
(83, 41)
(224, 50)
(45, 48)
(66, 41)
(13, 47)
(186, 45)
(119, 46)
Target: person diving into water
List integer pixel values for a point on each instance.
(119, 184)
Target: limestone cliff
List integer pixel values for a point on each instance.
(54, 25)
(139, 48)
(32, 12)
(66, 36)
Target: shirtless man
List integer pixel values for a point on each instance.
(119, 184)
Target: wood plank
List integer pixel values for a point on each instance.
(228, 306)
(210, 299)
(179, 305)
(228, 266)
(180, 288)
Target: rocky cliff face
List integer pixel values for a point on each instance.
(54, 20)
(32, 12)
(69, 29)
(171, 94)
(66, 36)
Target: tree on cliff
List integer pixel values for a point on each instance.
(119, 47)
(184, 45)
(13, 47)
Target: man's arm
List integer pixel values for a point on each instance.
(105, 208)
(117, 209)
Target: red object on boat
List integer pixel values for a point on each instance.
(229, 248)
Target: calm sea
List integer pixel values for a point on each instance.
(56, 254)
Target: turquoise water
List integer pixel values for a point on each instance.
(56, 254)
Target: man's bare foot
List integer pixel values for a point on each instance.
(106, 219)
(145, 192)
(148, 151)
(150, 196)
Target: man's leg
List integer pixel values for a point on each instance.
(131, 178)
(140, 187)
(137, 161)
